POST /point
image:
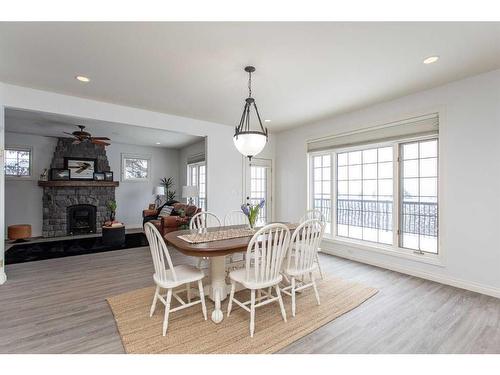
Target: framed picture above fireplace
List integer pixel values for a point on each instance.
(80, 168)
(58, 174)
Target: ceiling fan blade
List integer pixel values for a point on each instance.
(69, 134)
(97, 142)
(102, 138)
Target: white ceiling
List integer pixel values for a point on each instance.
(53, 125)
(305, 71)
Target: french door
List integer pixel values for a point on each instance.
(258, 186)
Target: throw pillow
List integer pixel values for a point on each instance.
(165, 211)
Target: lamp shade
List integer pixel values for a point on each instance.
(250, 144)
(189, 191)
(159, 190)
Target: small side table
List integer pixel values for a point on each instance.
(113, 236)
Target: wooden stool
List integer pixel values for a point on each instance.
(19, 232)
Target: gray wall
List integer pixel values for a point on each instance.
(23, 198)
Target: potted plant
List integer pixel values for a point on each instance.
(112, 209)
(168, 183)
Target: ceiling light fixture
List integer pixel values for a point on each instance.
(267, 120)
(249, 142)
(158, 143)
(431, 60)
(83, 79)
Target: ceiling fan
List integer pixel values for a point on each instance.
(82, 136)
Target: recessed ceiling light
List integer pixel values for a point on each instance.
(83, 79)
(431, 59)
(267, 120)
(158, 143)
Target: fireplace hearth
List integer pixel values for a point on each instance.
(81, 219)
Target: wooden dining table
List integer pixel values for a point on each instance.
(216, 251)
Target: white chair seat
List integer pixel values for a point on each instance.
(292, 271)
(240, 276)
(185, 274)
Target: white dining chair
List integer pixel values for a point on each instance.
(168, 277)
(235, 218)
(318, 215)
(300, 261)
(201, 221)
(264, 259)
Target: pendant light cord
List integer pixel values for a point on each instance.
(249, 84)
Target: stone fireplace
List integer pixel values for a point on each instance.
(76, 207)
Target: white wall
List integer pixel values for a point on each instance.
(23, 203)
(469, 178)
(23, 198)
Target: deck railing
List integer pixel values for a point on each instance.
(417, 217)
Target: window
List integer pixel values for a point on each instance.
(419, 200)
(18, 162)
(364, 194)
(258, 190)
(322, 187)
(136, 168)
(197, 176)
(384, 193)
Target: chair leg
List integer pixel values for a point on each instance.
(252, 313)
(315, 288)
(231, 296)
(280, 300)
(202, 298)
(293, 296)
(188, 292)
(155, 299)
(167, 311)
(319, 267)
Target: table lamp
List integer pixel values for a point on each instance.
(190, 192)
(159, 191)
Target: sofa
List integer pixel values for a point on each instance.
(173, 222)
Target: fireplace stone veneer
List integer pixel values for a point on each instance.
(57, 199)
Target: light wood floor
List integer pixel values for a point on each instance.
(58, 306)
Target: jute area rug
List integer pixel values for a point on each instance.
(189, 333)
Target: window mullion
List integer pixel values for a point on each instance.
(396, 196)
(333, 193)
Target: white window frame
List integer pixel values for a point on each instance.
(395, 248)
(135, 156)
(197, 165)
(19, 148)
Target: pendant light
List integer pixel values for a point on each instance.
(247, 141)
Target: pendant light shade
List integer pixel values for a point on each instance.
(250, 142)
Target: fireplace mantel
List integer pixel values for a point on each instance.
(73, 183)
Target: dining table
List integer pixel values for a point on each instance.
(216, 251)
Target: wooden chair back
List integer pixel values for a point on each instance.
(235, 218)
(266, 252)
(159, 252)
(203, 220)
(306, 240)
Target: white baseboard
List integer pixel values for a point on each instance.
(462, 284)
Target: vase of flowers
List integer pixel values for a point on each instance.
(252, 211)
